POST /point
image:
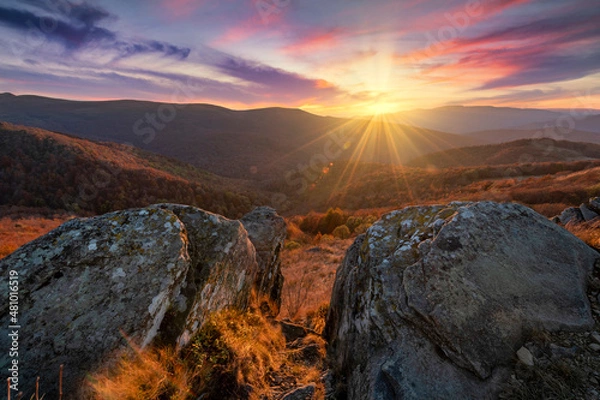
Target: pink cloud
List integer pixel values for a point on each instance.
(180, 8)
(239, 32)
(313, 43)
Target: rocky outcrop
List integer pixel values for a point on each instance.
(267, 232)
(434, 302)
(586, 212)
(147, 275)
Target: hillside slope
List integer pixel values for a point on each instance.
(253, 144)
(517, 152)
(509, 135)
(39, 168)
(549, 187)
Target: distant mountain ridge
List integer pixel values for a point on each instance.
(509, 135)
(466, 120)
(261, 144)
(517, 152)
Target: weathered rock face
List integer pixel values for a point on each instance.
(222, 274)
(586, 212)
(151, 274)
(267, 232)
(433, 302)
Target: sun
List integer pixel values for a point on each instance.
(381, 108)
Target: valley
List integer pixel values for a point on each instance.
(330, 179)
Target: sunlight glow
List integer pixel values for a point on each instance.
(382, 108)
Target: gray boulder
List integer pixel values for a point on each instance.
(594, 204)
(149, 275)
(587, 213)
(571, 215)
(223, 271)
(267, 232)
(433, 302)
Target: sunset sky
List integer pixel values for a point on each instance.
(335, 57)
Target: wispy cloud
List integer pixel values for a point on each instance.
(70, 35)
(313, 42)
(537, 49)
(76, 26)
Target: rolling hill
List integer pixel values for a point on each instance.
(509, 135)
(517, 152)
(260, 144)
(548, 187)
(43, 169)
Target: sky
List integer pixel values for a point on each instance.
(335, 57)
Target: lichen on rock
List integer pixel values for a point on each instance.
(445, 295)
(149, 276)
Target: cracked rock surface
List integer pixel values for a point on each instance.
(150, 275)
(434, 301)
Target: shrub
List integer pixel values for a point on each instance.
(341, 232)
(334, 218)
(362, 228)
(353, 222)
(310, 223)
(326, 239)
(292, 245)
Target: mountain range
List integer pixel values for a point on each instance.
(252, 144)
(64, 154)
(469, 120)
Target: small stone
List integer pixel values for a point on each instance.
(593, 381)
(595, 347)
(525, 356)
(594, 204)
(596, 337)
(572, 214)
(586, 213)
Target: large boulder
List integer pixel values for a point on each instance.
(433, 302)
(267, 232)
(147, 275)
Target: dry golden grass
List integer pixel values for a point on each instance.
(234, 356)
(588, 232)
(15, 232)
(309, 273)
(141, 374)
